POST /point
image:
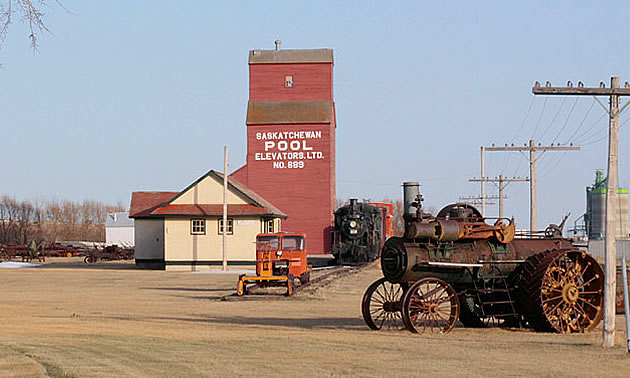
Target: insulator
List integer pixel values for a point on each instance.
(569, 84)
(580, 84)
(626, 85)
(548, 84)
(602, 85)
(537, 84)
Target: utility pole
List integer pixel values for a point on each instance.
(503, 182)
(610, 261)
(483, 184)
(225, 187)
(532, 148)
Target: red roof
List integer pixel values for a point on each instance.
(143, 203)
(209, 210)
(158, 204)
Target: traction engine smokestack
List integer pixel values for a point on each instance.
(411, 190)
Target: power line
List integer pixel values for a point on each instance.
(540, 117)
(566, 122)
(503, 182)
(531, 103)
(553, 120)
(605, 135)
(578, 139)
(532, 149)
(583, 120)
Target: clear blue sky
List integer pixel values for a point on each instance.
(143, 95)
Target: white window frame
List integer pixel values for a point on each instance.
(197, 226)
(230, 226)
(265, 226)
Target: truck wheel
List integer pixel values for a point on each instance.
(289, 285)
(240, 287)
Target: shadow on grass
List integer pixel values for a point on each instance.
(105, 265)
(193, 289)
(352, 324)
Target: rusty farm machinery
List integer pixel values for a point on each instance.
(458, 266)
(90, 251)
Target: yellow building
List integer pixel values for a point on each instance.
(184, 230)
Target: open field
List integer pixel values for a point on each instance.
(112, 320)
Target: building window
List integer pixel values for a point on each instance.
(288, 81)
(267, 226)
(198, 226)
(230, 227)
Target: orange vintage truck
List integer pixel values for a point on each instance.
(280, 258)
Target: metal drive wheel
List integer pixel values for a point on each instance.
(430, 304)
(381, 305)
(562, 291)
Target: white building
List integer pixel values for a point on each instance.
(119, 229)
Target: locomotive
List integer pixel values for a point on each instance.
(458, 265)
(359, 232)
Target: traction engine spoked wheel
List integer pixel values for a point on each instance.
(430, 304)
(381, 305)
(563, 292)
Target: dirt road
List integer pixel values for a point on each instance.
(68, 319)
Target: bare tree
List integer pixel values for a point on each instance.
(26, 212)
(8, 216)
(27, 11)
(52, 220)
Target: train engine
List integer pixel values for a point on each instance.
(359, 233)
(458, 265)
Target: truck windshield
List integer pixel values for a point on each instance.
(292, 243)
(267, 243)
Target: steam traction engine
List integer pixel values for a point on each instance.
(457, 266)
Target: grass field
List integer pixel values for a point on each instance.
(69, 319)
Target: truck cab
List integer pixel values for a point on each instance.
(281, 254)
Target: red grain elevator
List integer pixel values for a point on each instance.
(291, 139)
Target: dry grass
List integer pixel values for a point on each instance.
(113, 320)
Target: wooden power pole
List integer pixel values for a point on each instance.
(610, 261)
(225, 188)
(483, 184)
(532, 148)
(503, 182)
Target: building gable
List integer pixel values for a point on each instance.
(209, 190)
